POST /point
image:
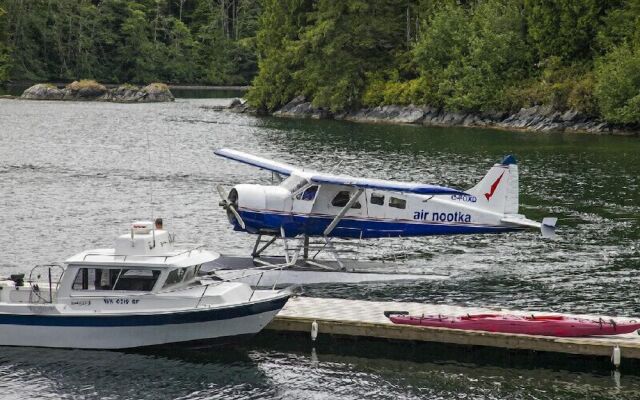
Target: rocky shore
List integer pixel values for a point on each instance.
(87, 90)
(537, 118)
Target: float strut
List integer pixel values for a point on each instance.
(305, 251)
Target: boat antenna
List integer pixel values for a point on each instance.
(153, 232)
(149, 174)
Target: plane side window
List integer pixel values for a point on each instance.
(342, 198)
(397, 203)
(308, 194)
(377, 199)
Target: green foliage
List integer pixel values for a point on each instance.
(480, 55)
(325, 49)
(280, 25)
(618, 85)
(620, 25)
(472, 55)
(565, 28)
(5, 59)
(123, 40)
(382, 92)
(498, 56)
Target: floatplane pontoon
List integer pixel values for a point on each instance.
(311, 205)
(145, 291)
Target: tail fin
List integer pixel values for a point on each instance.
(498, 190)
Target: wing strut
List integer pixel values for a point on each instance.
(342, 212)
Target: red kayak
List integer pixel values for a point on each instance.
(547, 325)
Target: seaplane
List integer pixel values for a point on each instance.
(305, 203)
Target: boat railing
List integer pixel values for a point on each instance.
(194, 247)
(35, 288)
(243, 276)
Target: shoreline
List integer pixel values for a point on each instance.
(533, 119)
(179, 86)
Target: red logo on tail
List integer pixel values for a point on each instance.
(493, 188)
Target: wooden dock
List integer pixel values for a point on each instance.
(357, 318)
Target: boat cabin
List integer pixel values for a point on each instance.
(144, 261)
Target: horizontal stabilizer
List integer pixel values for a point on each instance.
(547, 227)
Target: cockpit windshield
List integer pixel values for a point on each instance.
(293, 183)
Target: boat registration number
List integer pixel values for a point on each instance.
(121, 301)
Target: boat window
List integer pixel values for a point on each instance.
(308, 194)
(95, 279)
(342, 198)
(137, 279)
(397, 203)
(175, 276)
(191, 273)
(377, 198)
(181, 275)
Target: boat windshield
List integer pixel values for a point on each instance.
(181, 275)
(130, 279)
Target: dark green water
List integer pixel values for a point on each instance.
(73, 175)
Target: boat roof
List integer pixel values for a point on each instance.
(179, 256)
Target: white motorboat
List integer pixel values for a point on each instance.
(145, 291)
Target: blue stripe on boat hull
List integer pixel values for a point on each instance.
(354, 228)
(167, 318)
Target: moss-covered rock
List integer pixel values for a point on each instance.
(157, 92)
(90, 90)
(85, 89)
(43, 91)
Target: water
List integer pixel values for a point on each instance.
(73, 175)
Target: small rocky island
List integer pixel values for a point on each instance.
(90, 90)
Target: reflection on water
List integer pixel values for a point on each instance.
(73, 175)
(276, 368)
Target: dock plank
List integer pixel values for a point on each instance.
(366, 319)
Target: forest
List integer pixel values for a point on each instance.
(124, 41)
(485, 56)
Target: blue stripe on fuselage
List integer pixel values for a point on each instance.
(296, 224)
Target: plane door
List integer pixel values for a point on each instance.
(303, 201)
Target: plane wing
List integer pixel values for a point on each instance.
(320, 178)
(365, 183)
(260, 162)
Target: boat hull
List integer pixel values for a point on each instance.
(558, 326)
(137, 330)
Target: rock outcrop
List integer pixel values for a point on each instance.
(84, 90)
(43, 91)
(536, 118)
(88, 90)
(301, 108)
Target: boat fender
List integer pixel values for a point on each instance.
(314, 330)
(616, 356)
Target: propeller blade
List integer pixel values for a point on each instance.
(238, 217)
(221, 192)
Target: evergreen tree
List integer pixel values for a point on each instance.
(5, 60)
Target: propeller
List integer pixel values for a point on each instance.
(230, 203)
